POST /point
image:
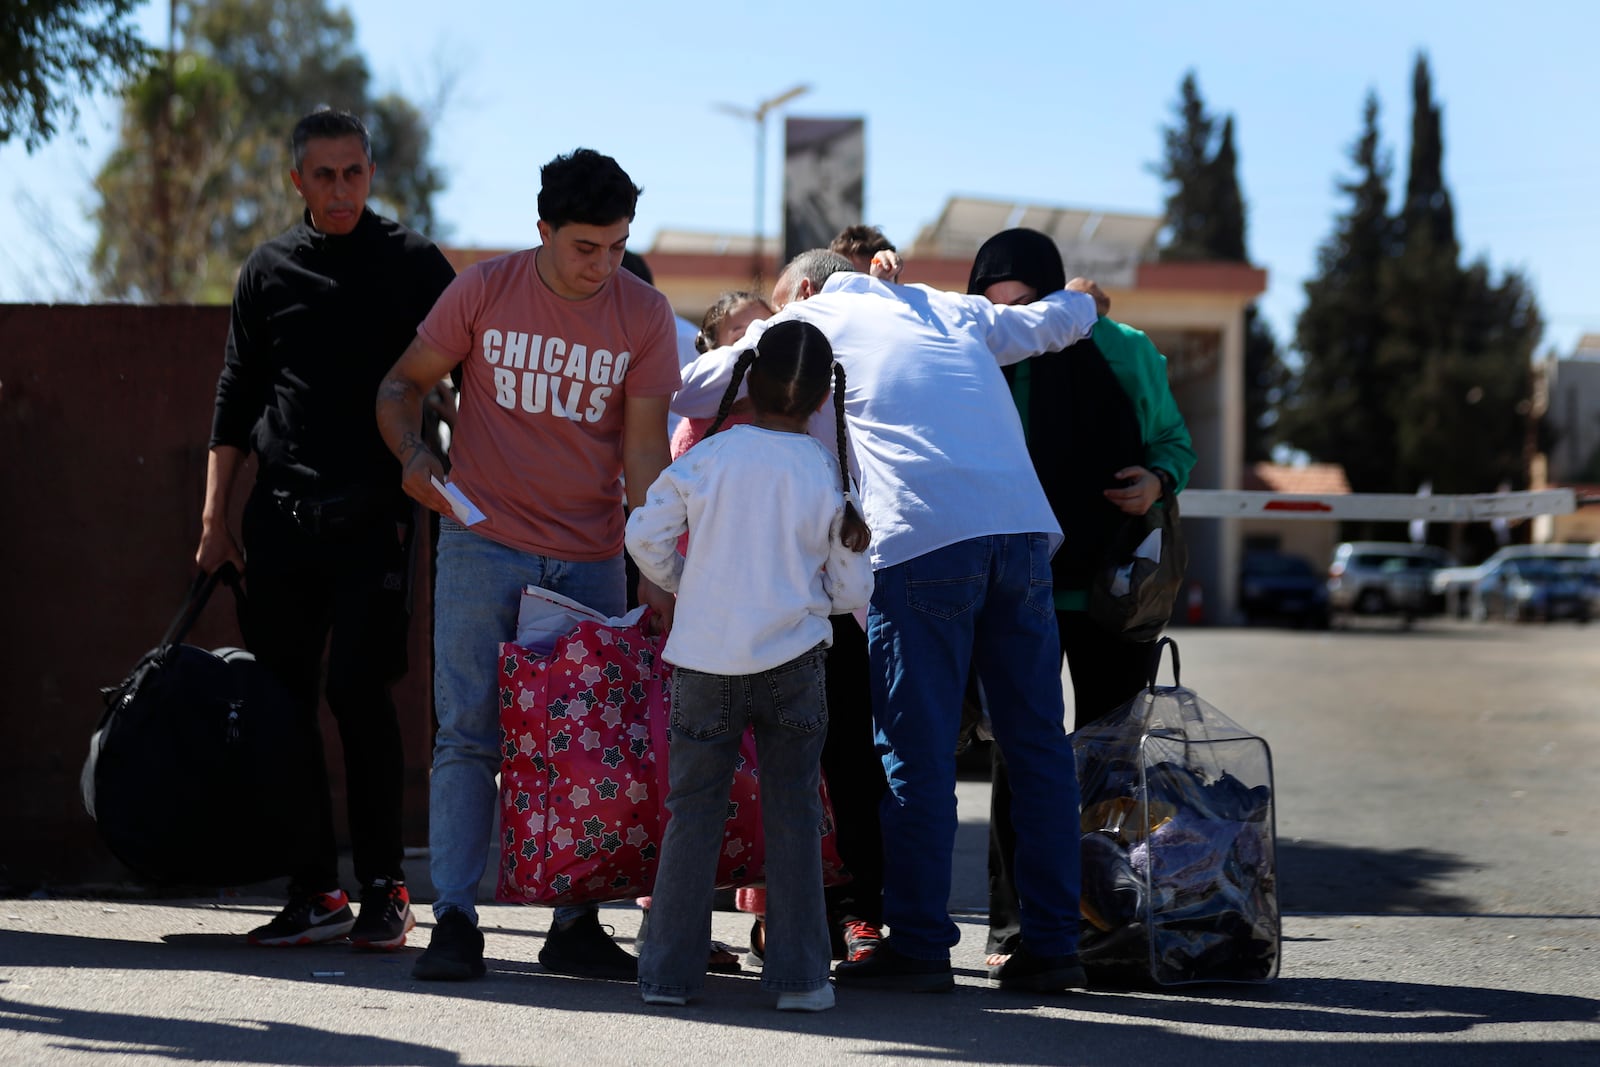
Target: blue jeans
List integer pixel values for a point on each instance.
(788, 706)
(986, 602)
(476, 596)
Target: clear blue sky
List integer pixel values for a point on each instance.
(1056, 103)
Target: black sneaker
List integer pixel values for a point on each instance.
(888, 968)
(385, 916)
(455, 952)
(583, 949)
(1028, 973)
(308, 920)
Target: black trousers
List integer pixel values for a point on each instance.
(314, 587)
(1106, 672)
(856, 781)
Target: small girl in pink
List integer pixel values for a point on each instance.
(724, 324)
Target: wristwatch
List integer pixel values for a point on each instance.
(1169, 484)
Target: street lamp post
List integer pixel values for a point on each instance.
(758, 115)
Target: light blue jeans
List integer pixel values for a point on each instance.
(476, 596)
(985, 601)
(789, 708)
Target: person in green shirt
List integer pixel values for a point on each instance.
(1106, 440)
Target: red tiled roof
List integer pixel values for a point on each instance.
(1316, 478)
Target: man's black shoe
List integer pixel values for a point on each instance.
(455, 952)
(583, 949)
(1028, 973)
(888, 968)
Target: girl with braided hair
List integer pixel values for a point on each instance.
(776, 546)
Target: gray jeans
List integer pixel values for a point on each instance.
(788, 707)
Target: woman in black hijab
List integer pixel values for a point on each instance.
(1090, 442)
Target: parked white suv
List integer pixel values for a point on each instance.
(1384, 578)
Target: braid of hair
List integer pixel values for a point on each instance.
(838, 424)
(729, 395)
(854, 532)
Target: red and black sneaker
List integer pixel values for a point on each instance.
(385, 916)
(308, 920)
(861, 939)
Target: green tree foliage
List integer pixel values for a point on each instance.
(52, 49)
(1187, 170)
(1338, 410)
(1465, 422)
(1265, 383)
(186, 134)
(1223, 232)
(1462, 340)
(247, 70)
(1415, 368)
(1205, 220)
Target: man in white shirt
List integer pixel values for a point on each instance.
(961, 541)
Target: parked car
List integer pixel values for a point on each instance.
(1281, 587)
(1539, 588)
(1385, 578)
(1463, 588)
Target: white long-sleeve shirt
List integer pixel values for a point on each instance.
(765, 566)
(935, 437)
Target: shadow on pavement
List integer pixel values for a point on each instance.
(1294, 1020)
(1317, 877)
(233, 1041)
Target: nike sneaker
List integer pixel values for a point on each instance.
(385, 916)
(308, 920)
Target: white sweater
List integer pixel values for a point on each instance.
(765, 568)
(934, 434)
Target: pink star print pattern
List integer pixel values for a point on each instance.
(584, 773)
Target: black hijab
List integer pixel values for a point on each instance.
(1019, 255)
(1082, 427)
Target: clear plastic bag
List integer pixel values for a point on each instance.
(1179, 843)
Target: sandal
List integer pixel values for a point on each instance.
(723, 959)
(758, 944)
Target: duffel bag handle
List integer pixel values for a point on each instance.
(1155, 662)
(199, 592)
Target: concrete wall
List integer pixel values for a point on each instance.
(105, 413)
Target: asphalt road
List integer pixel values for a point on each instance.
(1439, 860)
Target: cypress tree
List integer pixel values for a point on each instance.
(1186, 169)
(1414, 369)
(1458, 341)
(1205, 220)
(1339, 410)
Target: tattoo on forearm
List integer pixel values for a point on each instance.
(394, 389)
(408, 443)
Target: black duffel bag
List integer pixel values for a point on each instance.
(202, 770)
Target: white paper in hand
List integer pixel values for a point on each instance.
(465, 511)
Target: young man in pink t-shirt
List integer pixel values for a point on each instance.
(567, 367)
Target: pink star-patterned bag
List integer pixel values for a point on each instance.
(584, 778)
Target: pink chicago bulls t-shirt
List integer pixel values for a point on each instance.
(538, 442)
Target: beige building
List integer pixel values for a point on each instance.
(1567, 396)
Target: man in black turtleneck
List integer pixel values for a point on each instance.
(320, 313)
